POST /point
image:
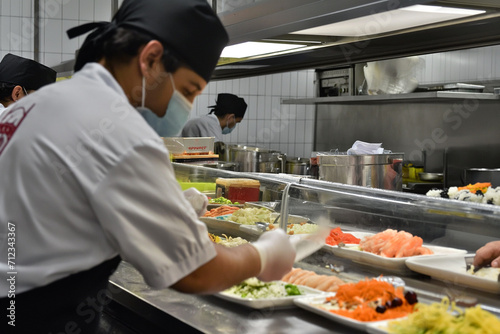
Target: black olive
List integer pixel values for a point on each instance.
(490, 201)
(397, 302)
(479, 193)
(444, 193)
(388, 304)
(411, 297)
(380, 309)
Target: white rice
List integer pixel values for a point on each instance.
(434, 193)
(488, 273)
(452, 191)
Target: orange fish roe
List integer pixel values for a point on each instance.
(473, 188)
(336, 236)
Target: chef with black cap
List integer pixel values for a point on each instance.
(86, 181)
(228, 111)
(20, 76)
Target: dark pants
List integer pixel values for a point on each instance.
(71, 305)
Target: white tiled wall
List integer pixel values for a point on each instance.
(472, 65)
(56, 16)
(268, 123)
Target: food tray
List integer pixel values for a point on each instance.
(308, 303)
(396, 265)
(451, 268)
(278, 302)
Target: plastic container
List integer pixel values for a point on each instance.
(238, 190)
(189, 145)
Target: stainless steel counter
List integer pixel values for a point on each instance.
(209, 314)
(169, 309)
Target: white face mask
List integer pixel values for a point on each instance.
(175, 117)
(227, 130)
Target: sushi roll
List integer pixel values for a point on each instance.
(452, 192)
(492, 196)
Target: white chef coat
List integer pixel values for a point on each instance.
(2, 109)
(84, 178)
(203, 126)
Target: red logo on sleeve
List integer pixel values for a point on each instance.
(10, 122)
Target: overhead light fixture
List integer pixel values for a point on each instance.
(250, 49)
(403, 18)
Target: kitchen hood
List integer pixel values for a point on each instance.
(301, 24)
(342, 33)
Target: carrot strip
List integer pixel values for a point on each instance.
(359, 300)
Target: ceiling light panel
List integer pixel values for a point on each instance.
(379, 23)
(250, 49)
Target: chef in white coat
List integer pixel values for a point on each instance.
(19, 77)
(228, 111)
(85, 181)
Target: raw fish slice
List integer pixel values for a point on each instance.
(411, 247)
(289, 274)
(394, 246)
(312, 281)
(304, 278)
(294, 279)
(335, 286)
(423, 251)
(328, 283)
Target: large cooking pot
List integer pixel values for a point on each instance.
(298, 166)
(256, 159)
(382, 171)
(474, 175)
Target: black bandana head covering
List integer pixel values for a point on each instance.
(229, 104)
(25, 72)
(187, 28)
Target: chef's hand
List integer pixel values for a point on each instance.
(197, 200)
(276, 255)
(489, 253)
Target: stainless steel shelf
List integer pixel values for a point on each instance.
(439, 95)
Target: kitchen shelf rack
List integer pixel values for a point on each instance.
(424, 97)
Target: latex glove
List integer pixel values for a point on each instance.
(277, 255)
(197, 200)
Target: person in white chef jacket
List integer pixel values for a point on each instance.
(228, 111)
(86, 181)
(19, 77)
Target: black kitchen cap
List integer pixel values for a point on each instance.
(229, 104)
(189, 29)
(25, 72)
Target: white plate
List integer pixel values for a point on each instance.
(353, 253)
(308, 303)
(278, 302)
(451, 268)
(378, 327)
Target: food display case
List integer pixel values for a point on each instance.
(449, 228)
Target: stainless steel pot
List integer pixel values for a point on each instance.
(298, 166)
(382, 171)
(256, 159)
(474, 175)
